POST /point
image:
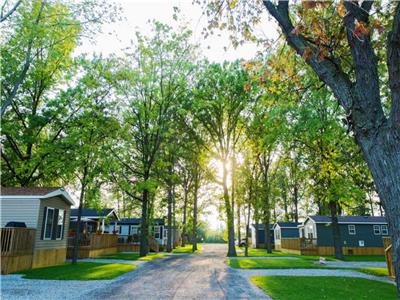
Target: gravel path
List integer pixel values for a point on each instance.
(13, 287)
(311, 272)
(357, 264)
(202, 276)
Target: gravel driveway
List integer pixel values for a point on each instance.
(202, 276)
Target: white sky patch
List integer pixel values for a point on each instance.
(136, 14)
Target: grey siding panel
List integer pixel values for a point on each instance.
(364, 232)
(55, 202)
(21, 210)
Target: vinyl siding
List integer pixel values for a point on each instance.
(289, 232)
(364, 232)
(55, 202)
(19, 210)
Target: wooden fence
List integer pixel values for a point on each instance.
(17, 241)
(292, 244)
(387, 245)
(93, 245)
(16, 248)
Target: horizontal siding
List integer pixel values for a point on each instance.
(364, 232)
(289, 232)
(55, 202)
(19, 210)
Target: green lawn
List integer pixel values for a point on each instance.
(332, 288)
(262, 252)
(295, 264)
(373, 271)
(80, 271)
(132, 256)
(364, 258)
(273, 264)
(187, 249)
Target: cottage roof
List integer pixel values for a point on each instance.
(350, 219)
(35, 193)
(27, 191)
(261, 226)
(94, 213)
(288, 224)
(137, 221)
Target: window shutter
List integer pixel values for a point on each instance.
(161, 231)
(55, 221)
(43, 223)
(63, 228)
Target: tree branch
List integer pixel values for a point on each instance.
(329, 72)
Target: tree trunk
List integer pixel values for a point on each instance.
(174, 229)
(185, 201)
(144, 226)
(296, 203)
(229, 216)
(196, 187)
(383, 158)
(267, 234)
(246, 249)
(257, 220)
(78, 225)
(335, 231)
(169, 227)
(238, 223)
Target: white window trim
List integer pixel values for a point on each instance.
(379, 231)
(157, 230)
(62, 225)
(386, 229)
(45, 224)
(136, 228)
(350, 229)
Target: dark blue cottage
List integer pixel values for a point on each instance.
(286, 230)
(258, 235)
(358, 234)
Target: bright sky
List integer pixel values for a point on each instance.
(136, 13)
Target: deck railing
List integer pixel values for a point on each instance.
(387, 245)
(95, 241)
(17, 241)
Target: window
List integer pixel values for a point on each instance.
(377, 230)
(60, 225)
(53, 224)
(384, 230)
(48, 230)
(352, 229)
(134, 229)
(157, 232)
(277, 234)
(361, 243)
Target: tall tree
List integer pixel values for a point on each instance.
(156, 78)
(219, 102)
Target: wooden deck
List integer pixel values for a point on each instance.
(16, 249)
